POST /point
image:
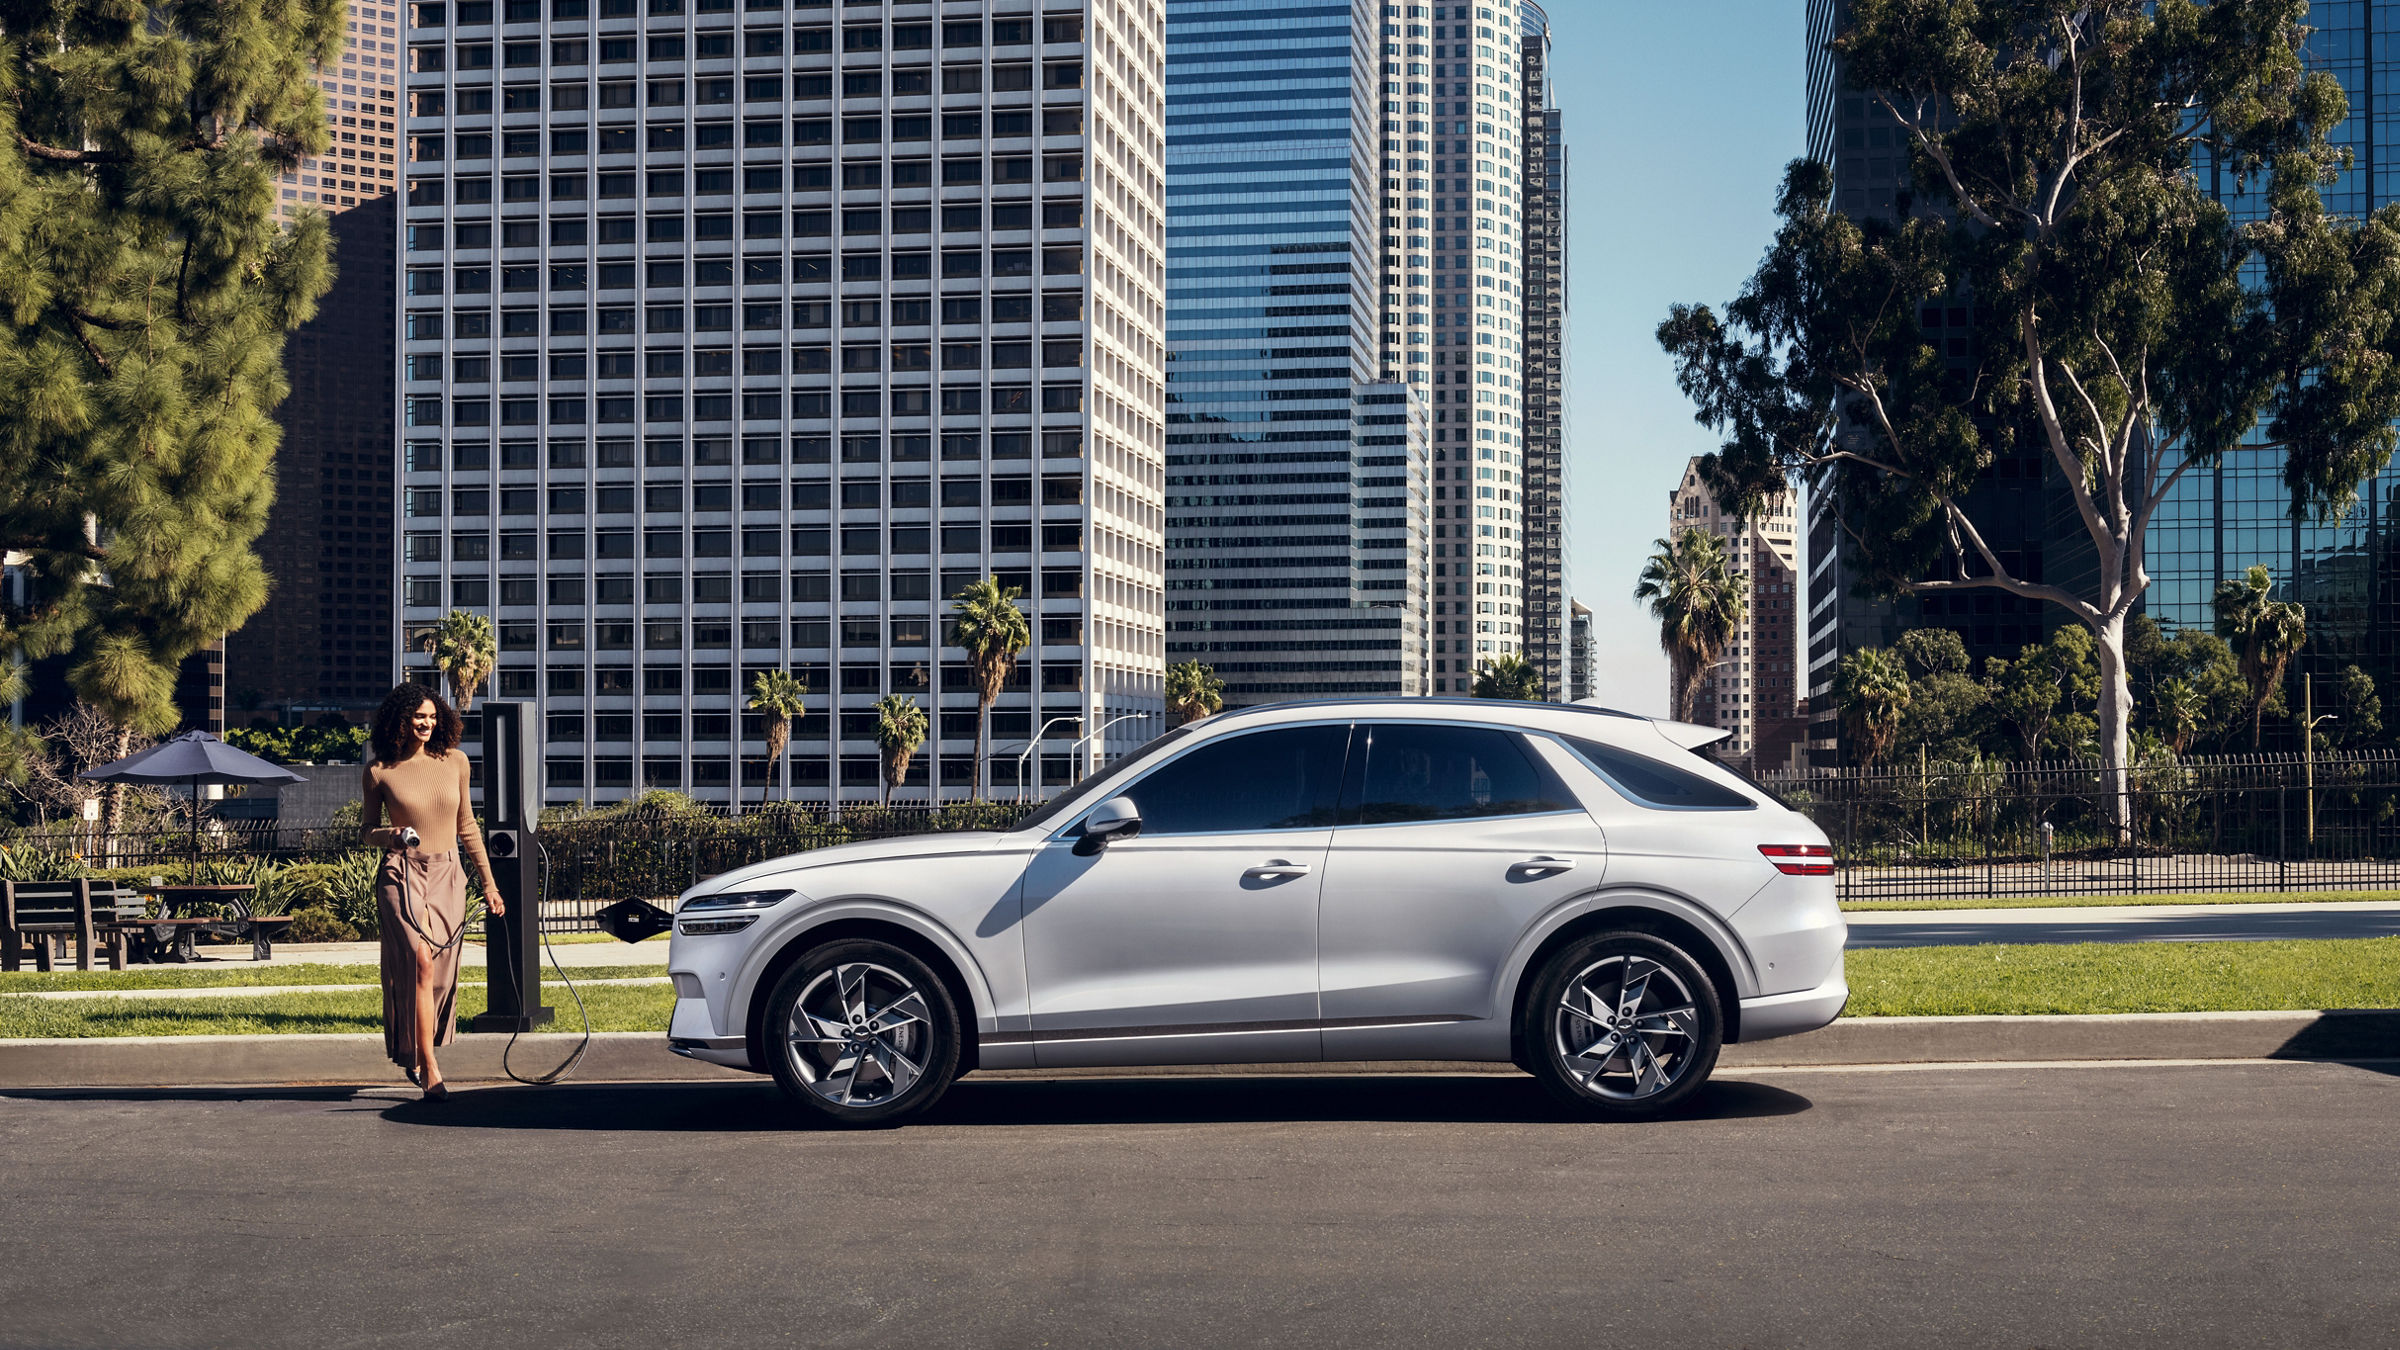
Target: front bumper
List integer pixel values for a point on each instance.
(692, 1034)
(1764, 1019)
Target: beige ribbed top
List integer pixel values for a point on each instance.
(429, 792)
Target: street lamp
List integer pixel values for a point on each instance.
(1035, 744)
(1104, 726)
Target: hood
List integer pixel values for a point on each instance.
(946, 844)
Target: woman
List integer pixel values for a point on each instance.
(419, 778)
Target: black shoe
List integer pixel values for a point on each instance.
(416, 1077)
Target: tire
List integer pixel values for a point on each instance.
(861, 1033)
(1611, 1061)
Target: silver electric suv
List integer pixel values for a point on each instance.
(1563, 887)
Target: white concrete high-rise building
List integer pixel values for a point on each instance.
(737, 339)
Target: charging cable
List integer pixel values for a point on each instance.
(540, 934)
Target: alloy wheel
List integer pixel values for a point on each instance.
(1626, 1028)
(858, 1035)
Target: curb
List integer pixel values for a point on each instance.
(642, 1056)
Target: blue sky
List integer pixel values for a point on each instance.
(1679, 119)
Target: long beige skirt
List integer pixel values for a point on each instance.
(431, 889)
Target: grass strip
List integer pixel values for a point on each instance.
(179, 977)
(2005, 979)
(612, 1008)
(2179, 898)
(2124, 977)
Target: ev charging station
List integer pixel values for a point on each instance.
(512, 808)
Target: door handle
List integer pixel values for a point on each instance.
(1278, 868)
(1543, 865)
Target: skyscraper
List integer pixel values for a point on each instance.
(1296, 482)
(805, 318)
(1753, 690)
(362, 106)
(1455, 302)
(1544, 250)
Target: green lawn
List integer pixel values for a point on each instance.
(2098, 977)
(612, 1007)
(2125, 977)
(187, 977)
(2186, 898)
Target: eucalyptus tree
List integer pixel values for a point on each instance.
(2127, 329)
(145, 288)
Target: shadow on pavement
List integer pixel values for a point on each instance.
(710, 1108)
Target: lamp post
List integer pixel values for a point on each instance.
(1104, 726)
(1035, 744)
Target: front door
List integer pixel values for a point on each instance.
(1194, 942)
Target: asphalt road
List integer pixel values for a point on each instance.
(2242, 1204)
(2124, 923)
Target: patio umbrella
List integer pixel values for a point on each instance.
(195, 757)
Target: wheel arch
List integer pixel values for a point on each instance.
(1639, 914)
(946, 965)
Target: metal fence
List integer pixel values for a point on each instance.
(2231, 824)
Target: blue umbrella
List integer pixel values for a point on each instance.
(195, 757)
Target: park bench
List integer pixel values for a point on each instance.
(173, 934)
(46, 913)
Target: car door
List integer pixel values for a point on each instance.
(1455, 837)
(1193, 942)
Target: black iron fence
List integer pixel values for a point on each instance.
(2231, 824)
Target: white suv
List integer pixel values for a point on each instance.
(1564, 887)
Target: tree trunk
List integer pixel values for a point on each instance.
(983, 734)
(2116, 717)
(1683, 680)
(115, 812)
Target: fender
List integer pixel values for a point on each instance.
(1729, 944)
(818, 913)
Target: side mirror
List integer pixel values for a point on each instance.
(1116, 818)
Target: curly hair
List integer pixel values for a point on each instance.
(389, 731)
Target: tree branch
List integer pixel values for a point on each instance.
(83, 337)
(1941, 159)
(57, 156)
(2068, 465)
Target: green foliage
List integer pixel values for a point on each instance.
(316, 924)
(2359, 710)
(988, 625)
(1194, 691)
(1872, 690)
(1947, 705)
(1698, 602)
(464, 650)
(2127, 329)
(1510, 676)
(900, 726)
(781, 697)
(31, 862)
(2265, 632)
(301, 745)
(144, 292)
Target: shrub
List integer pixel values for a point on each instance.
(318, 924)
(32, 862)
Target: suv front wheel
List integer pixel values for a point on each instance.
(862, 1033)
(1622, 1026)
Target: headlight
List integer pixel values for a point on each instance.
(734, 900)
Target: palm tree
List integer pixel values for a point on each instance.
(465, 650)
(899, 730)
(1509, 675)
(1699, 605)
(992, 630)
(1871, 689)
(2266, 633)
(780, 696)
(2181, 706)
(1194, 691)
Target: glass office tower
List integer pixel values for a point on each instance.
(2217, 524)
(739, 338)
(1296, 482)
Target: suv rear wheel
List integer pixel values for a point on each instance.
(861, 1033)
(1623, 1026)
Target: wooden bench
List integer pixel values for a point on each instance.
(93, 913)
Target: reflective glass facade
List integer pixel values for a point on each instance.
(1295, 494)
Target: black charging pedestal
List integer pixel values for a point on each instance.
(512, 807)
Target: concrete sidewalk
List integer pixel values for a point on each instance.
(241, 1061)
(2125, 923)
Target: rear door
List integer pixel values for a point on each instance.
(1463, 834)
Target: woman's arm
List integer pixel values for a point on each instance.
(470, 838)
(370, 813)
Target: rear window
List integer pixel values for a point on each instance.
(1647, 781)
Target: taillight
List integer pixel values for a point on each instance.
(1800, 860)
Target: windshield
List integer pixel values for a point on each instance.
(1098, 785)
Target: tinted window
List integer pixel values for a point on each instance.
(1268, 780)
(1451, 772)
(1651, 783)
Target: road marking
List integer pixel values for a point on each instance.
(1747, 1069)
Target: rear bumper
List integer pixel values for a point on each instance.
(1764, 1019)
